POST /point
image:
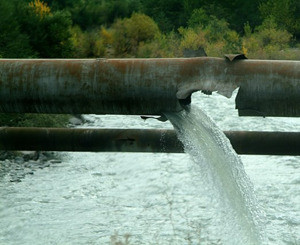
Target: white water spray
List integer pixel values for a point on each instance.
(223, 176)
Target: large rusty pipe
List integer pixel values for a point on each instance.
(146, 86)
(139, 140)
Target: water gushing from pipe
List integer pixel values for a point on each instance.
(223, 177)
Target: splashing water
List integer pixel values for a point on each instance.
(222, 175)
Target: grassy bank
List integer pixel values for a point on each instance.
(33, 120)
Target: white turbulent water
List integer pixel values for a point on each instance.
(222, 175)
(93, 198)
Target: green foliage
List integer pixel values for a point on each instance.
(13, 43)
(171, 14)
(199, 17)
(92, 44)
(84, 42)
(61, 4)
(193, 38)
(168, 14)
(285, 13)
(33, 120)
(104, 28)
(130, 32)
(49, 33)
(247, 30)
(238, 12)
(268, 41)
(205, 31)
(210, 33)
(81, 42)
(31, 30)
(94, 13)
(163, 46)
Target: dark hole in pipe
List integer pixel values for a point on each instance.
(186, 101)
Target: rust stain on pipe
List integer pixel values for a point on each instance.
(146, 86)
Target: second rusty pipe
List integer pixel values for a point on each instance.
(139, 140)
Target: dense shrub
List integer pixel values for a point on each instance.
(130, 32)
(93, 43)
(286, 14)
(163, 46)
(268, 41)
(13, 43)
(210, 33)
(49, 33)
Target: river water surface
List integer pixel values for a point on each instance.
(104, 198)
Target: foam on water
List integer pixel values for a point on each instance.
(222, 174)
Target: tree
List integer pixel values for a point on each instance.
(169, 14)
(13, 43)
(285, 13)
(267, 41)
(129, 32)
(90, 14)
(49, 33)
(199, 17)
(208, 32)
